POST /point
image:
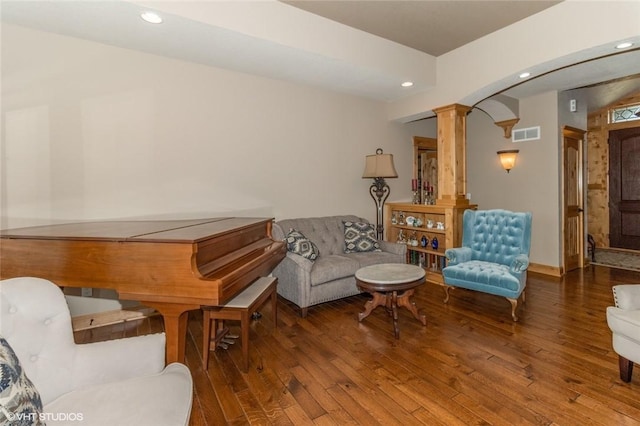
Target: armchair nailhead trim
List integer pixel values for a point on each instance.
(615, 297)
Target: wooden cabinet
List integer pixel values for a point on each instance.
(409, 223)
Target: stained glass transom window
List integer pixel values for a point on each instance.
(625, 113)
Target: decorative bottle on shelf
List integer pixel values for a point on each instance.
(416, 193)
(424, 241)
(425, 194)
(434, 243)
(428, 195)
(416, 197)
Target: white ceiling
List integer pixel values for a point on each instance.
(434, 27)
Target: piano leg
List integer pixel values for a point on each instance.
(175, 327)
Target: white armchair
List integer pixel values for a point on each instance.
(624, 321)
(117, 382)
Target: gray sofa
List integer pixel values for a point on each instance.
(332, 275)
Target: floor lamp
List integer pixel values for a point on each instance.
(378, 167)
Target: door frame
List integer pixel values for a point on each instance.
(579, 134)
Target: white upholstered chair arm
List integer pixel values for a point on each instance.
(627, 296)
(120, 359)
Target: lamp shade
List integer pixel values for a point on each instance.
(379, 165)
(508, 158)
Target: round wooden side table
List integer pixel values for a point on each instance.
(391, 285)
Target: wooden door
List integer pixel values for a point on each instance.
(573, 220)
(624, 188)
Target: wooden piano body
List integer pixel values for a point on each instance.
(173, 266)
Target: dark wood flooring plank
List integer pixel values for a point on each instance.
(471, 364)
(324, 399)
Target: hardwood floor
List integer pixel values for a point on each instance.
(471, 364)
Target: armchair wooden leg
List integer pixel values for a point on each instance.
(514, 305)
(626, 369)
(446, 293)
(303, 312)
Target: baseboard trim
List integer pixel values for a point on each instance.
(554, 271)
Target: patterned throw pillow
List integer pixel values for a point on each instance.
(360, 237)
(20, 402)
(299, 244)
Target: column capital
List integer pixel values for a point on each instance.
(459, 108)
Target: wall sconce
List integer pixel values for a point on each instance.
(508, 158)
(378, 167)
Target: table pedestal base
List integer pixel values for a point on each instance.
(392, 301)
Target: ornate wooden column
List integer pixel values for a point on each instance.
(452, 168)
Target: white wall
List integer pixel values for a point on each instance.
(96, 132)
(577, 119)
(533, 183)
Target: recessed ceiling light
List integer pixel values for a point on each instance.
(624, 45)
(525, 75)
(407, 84)
(151, 17)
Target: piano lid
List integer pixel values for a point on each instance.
(177, 231)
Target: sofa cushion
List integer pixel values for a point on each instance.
(332, 267)
(19, 400)
(299, 244)
(374, 258)
(359, 237)
(485, 275)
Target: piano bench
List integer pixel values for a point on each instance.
(240, 308)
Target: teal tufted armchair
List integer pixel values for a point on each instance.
(494, 256)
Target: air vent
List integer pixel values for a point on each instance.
(528, 134)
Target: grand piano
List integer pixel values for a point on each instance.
(173, 266)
